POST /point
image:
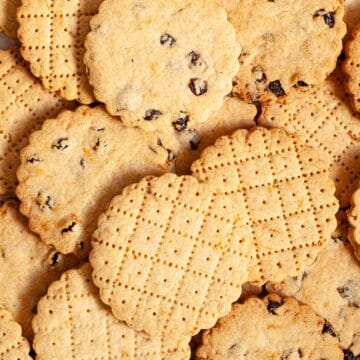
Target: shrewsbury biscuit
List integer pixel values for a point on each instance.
(12, 344)
(284, 194)
(8, 22)
(332, 288)
(24, 104)
(157, 69)
(324, 120)
(52, 34)
(351, 68)
(27, 267)
(188, 145)
(74, 166)
(169, 255)
(72, 323)
(285, 44)
(273, 328)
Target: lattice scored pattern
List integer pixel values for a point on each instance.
(52, 34)
(72, 323)
(169, 256)
(289, 204)
(325, 121)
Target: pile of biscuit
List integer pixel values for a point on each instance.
(180, 179)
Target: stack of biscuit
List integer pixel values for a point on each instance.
(180, 179)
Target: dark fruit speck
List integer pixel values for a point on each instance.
(167, 40)
(276, 88)
(152, 114)
(198, 87)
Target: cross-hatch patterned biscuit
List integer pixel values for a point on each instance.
(24, 104)
(74, 166)
(332, 288)
(27, 267)
(354, 220)
(324, 120)
(188, 145)
(52, 34)
(8, 22)
(12, 344)
(156, 69)
(72, 323)
(286, 44)
(272, 328)
(169, 256)
(283, 192)
(352, 68)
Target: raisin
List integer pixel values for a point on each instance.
(50, 202)
(69, 228)
(276, 88)
(152, 114)
(193, 58)
(167, 40)
(349, 355)
(198, 87)
(181, 123)
(327, 328)
(171, 155)
(60, 144)
(82, 245)
(55, 258)
(33, 160)
(97, 144)
(344, 291)
(82, 163)
(328, 17)
(273, 305)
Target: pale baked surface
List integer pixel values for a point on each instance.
(170, 256)
(74, 166)
(156, 69)
(284, 195)
(27, 267)
(324, 120)
(276, 58)
(52, 35)
(12, 344)
(273, 328)
(24, 105)
(72, 323)
(352, 67)
(8, 22)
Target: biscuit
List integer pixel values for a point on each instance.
(74, 166)
(27, 267)
(332, 288)
(8, 22)
(24, 104)
(188, 145)
(157, 69)
(284, 194)
(325, 121)
(72, 323)
(170, 256)
(12, 344)
(272, 328)
(354, 221)
(351, 68)
(276, 58)
(52, 35)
